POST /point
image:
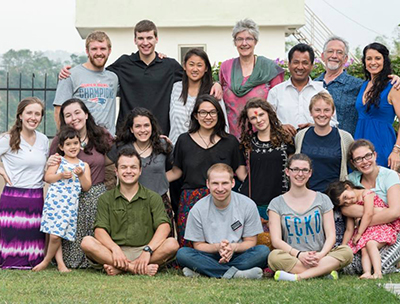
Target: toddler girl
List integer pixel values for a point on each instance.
(61, 204)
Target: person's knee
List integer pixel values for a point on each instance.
(346, 255)
(273, 259)
(87, 244)
(263, 250)
(182, 255)
(171, 245)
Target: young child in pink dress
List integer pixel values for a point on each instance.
(366, 237)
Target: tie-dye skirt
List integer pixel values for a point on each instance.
(21, 242)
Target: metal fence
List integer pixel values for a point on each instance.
(14, 88)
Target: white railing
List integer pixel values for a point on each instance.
(314, 32)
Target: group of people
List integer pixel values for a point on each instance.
(183, 143)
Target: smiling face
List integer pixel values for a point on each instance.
(245, 44)
(71, 147)
(207, 115)
(31, 117)
(258, 118)
(297, 173)
(334, 56)
(322, 113)
(220, 185)
(364, 160)
(146, 43)
(300, 67)
(98, 53)
(141, 128)
(195, 68)
(75, 117)
(374, 62)
(128, 170)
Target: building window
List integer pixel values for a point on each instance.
(184, 48)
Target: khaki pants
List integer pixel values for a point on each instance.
(281, 260)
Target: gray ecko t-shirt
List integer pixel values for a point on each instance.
(97, 89)
(304, 231)
(207, 223)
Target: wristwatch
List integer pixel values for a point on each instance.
(148, 249)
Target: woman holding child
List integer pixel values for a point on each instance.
(386, 184)
(95, 143)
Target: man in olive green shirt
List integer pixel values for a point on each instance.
(132, 227)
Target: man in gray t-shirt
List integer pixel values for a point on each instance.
(91, 83)
(223, 227)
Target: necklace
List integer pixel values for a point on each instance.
(142, 150)
(83, 142)
(201, 137)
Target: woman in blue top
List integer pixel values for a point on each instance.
(377, 104)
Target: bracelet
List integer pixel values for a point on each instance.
(396, 146)
(298, 254)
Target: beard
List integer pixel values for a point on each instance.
(94, 62)
(333, 65)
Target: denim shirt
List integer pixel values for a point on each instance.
(344, 90)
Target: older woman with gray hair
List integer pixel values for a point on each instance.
(248, 75)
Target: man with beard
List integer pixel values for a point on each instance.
(91, 83)
(343, 87)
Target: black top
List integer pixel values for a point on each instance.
(267, 171)
(194, 160)
(147, 86)
(326, 155)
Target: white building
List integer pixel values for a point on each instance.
(188, 23)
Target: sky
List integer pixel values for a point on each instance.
(49, 24)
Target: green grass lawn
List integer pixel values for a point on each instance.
(169, 286)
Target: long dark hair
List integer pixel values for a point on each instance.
(206, 80)
(219, 128)
(380, 82)
(15, 131)
(125, 136)
(277, 133)
(98, 138)
(336, 189)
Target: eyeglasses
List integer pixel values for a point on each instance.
(358, 160)
(298, 170)
(203, 114)
(338, 52)
(248, 40)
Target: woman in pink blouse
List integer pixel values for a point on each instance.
(248, 75)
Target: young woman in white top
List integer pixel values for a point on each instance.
(23, 151)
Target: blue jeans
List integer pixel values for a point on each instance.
(207, 263)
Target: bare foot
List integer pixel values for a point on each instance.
(41, 266)
(111, 270)
(63, 269)
(377, 276)
(152, 269)
(366, 275)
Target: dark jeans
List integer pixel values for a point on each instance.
(207, 263)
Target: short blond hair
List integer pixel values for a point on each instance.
(325, 96)
(98, 36)
(220, 167)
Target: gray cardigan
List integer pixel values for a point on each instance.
(345, 140)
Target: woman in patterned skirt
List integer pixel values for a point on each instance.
(23, 151)
(205, 144)
(95, 143)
